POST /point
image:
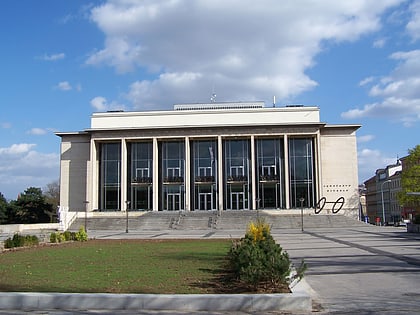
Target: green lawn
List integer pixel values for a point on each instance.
(115, 266)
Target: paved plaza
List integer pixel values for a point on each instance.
(354, 270)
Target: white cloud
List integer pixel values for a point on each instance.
(5, 125)
(413, 27)
(262, 48)
(54, 57)
(398, 93)
(22, 167)
(379, 43)
(371, 160)
(365, 138)
(64, 86)
(101, 104)
(37, 131)
(366, 81)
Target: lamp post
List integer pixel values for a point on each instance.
(86, 206)
(126, 215)
(382, 197)
(301, 211)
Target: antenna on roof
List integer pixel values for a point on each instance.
(213, 98)
(274, 101)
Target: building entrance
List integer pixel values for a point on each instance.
(237, 200)
(205, 201)
(173, 201)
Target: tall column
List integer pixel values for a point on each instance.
(155, 175)
(93, 178)
(187, 177)
(124, 161)
(286, 171)
(220, 172)
(253, 175)
(318, 168)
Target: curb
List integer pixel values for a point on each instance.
(298, 301)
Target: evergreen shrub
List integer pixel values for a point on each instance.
(257, 261)
(19, 240)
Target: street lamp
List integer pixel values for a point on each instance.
(126, 215)
(301, 211)
(382, 197)
(86, 206)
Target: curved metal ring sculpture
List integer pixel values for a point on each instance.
(338, 205)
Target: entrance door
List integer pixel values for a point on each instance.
(173, 202)
(237, 200)
(268, 196)
(206, 201)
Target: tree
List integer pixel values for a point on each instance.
(52, 196)
(3, 209)
(30, 207)
(410, 178)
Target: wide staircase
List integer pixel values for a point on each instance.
(208, 220)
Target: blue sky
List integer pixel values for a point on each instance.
(358, 61)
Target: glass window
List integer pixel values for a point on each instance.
(171, 175)
(270, 170)
(140, 175)
(301, 172)
(204, 174)
(236, 158)
(110, 176)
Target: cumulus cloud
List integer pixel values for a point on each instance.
(101, 104)
(365, 138)
(21, 166)
(6, 125)
(379, 43)
(413, 27)
(37, 131)
(64, 86)
(398, 93)
(191, 48)
(54, 57)
(370, 160)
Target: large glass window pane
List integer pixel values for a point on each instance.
(110, 176)
(140, 175)
(204, 174)
(236, 159)
(301, 172)
(171, 175)
(270, 170)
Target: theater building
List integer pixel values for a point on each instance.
(215, 156)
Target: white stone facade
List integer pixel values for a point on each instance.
(254, 157)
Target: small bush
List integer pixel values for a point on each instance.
(416, 219)
(256, 260)
(81, 235)
(21, 240)
(68, 236)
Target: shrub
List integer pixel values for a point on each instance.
(21, 240)
(68, 236)
(256, 260)
(81, 235)
(416, 219)
(53, 237)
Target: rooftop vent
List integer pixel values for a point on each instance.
(219, 106)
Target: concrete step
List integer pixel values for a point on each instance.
(202, 220)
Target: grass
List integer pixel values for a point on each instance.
(115, 266)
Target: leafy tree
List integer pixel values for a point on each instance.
(3, 209)
(52, 196)
(410, 178)
(30, 207)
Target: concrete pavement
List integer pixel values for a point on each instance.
(355, 270)
(363, 270)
